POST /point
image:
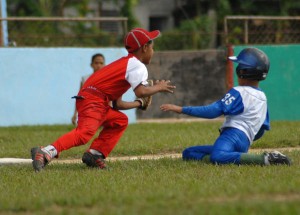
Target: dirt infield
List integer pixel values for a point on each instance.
(9, 161)
(178, 120)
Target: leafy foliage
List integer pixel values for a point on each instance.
(190, 35)
(127, 11)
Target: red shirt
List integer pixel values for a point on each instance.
(116, 78)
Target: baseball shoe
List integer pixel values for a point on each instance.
(277, 158)
(91, 160)
(39, 158)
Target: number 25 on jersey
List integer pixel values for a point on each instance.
(228, 99)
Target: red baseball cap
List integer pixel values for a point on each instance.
(138, 37)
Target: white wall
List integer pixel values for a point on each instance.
(36, 84)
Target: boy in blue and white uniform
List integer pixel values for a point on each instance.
(246, 116)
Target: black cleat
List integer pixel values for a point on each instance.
(39, 158)
(277, 158)
(95, 161)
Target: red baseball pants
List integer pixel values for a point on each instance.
(94, 112)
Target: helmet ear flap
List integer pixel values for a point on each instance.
(239, 72)
(245, 73)
(251, 74)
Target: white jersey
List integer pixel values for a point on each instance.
(245, 108)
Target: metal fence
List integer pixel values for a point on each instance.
(91, 32)
(58, 31)
(109, 32)
(262, 29)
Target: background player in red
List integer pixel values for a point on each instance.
(97, 62)
(92, 103)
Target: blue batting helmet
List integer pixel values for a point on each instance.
(253, 64)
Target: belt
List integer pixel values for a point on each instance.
(94, 91)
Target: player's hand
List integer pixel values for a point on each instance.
(165, 86)
(171, 107)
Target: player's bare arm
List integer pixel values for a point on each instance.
(159, 86)
(171, 107)
(119, 104)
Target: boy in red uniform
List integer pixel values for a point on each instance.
(92, 103)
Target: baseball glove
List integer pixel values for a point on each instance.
(145, 101)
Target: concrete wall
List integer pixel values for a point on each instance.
(200, 79)
(198, 75)
(36, 84)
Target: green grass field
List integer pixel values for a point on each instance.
(164, 186)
